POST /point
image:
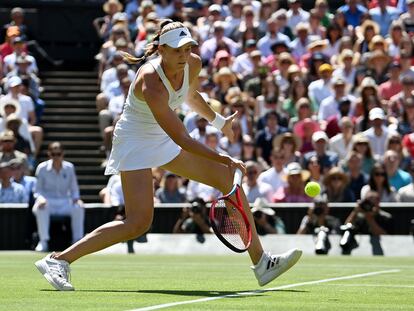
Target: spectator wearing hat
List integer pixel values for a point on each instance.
(210, 46)
(363, 147)
(274, 175)
(25, 70)
(396, 35)
(365, 33)
(272, 35)
(311, 62)
(342, 142)
(337, 186)
(377, 64)
(252, 187)
(243, 64)
(393, 85)
(103, 25)
(11, 60)
(6, 48)
(299, 45)
(353, 12)
(225, 79)
(346, 69)
(13, 123)
(367, 100)
(10, 191)
(264, 138)
(281, 17)
(379, 181)
(8, 151)
(293, 191)
(201, 130)
(57, 193)
(222, 58)
(329, 107)
(305, 129)
(284, 61)
(407, 8)
(296, 14)
(321, 89)
(320, 143)
(318, 215)
(290, 144)
(209, 15)
(11, 108)
(352, 165)
(235, 17)
(384, 15)
(377, 134)
(265, 219)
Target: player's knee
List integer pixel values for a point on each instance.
(137, 227)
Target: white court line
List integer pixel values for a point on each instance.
(353, 276)
(372, 285)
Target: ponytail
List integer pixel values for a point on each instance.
(151, 48)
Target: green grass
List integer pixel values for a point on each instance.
(122, 282)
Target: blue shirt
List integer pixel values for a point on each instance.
(353, 18)
(29, 184)
(15, 193)
(385, 19)
(52, 184)
(400, 179)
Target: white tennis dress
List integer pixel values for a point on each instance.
(139, 141)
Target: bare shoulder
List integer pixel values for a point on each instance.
(194, 63)
(148, 83)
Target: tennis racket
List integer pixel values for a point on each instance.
(229, 220)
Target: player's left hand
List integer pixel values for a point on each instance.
(228, 128)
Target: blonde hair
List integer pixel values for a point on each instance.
(165, 26)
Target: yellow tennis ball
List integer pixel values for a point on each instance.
(312, 189)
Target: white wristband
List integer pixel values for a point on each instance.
(218, 121)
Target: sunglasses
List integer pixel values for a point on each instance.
(380, 174)
(56, 154)
(251, 172)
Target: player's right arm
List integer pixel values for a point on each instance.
(156, 97)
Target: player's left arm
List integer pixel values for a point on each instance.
(197, 102)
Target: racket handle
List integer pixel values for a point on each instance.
(237, 177)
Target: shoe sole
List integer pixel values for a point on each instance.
(41, 266)
(292, 262)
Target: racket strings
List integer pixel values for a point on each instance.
(230, 223)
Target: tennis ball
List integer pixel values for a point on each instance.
(312, 189)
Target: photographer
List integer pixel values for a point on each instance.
(194, 220)
(320, 223)
(265, 219)
(366, 218)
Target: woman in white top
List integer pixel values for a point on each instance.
(148, 134)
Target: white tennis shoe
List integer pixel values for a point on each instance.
(56, 272)
(271, 266)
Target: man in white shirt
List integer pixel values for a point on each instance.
(296, 14)
(273, 35)
(57, 193)
(377, 134)
(243, 64)
(299, 45)
(252, 187)
(274, 175)
(320, 89)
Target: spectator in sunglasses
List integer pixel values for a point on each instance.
(57, 193)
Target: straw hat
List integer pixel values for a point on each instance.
(375, 40)
(108, 3)
(317, 43)
(346, 53)
(335, 172)
(378, 55)
(224, 71)
(367, 23)
(368, 82)
(279, 139)
(12, 102)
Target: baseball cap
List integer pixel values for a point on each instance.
(294, 168)
(251, 43)
(319, 135)
(214, 8)
(325, 67)
(14, 81)
(177, 38)
(338, 81)
(376, 113)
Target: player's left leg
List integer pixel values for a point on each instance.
(267, 267)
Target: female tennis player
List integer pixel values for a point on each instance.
(149, 134)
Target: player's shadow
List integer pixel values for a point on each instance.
(190, 293)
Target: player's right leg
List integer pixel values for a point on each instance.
(138, 194)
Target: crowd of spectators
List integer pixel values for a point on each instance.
(322, 95)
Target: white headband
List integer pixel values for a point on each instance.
(177, 38)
